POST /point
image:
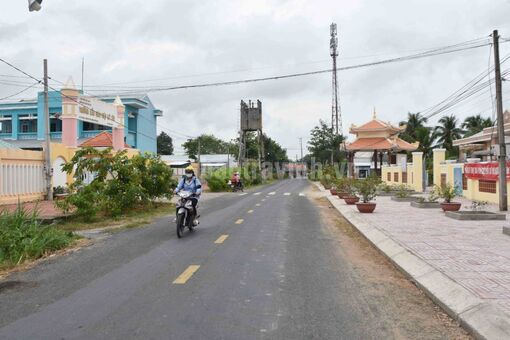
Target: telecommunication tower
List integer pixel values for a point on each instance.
(336, 115)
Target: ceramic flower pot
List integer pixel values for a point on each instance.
(333, 191)
(368, 207)
(341, 194)
(351, 199)
(452, 206)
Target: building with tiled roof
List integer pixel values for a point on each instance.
(102, 140)
(375, 137)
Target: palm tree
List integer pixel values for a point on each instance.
(425, 137)
(447, 131)
(414, 122)
(475, 124)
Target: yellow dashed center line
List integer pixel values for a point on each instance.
(250, 211)
(221, 239)
(186, 275)
(239, 221)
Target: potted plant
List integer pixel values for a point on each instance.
(350, 189)
(448, 192)
(367, 189)
(60, 192)
(333, 190)
(403, 194)
(429, 202)
(342, 187)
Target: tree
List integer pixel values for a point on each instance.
(413, 123)
(209, 144)
(324, 144)
(475, 124)
(425, 137)
(165, 144)
(446, 132)
(273, 152)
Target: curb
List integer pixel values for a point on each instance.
(484, 320)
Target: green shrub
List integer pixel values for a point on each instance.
(22, 237)
(366, 188)
(120, 183)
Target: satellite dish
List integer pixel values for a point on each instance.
(34, 5)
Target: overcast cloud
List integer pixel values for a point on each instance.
(189, 42)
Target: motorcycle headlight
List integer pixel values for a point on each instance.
(189, 204)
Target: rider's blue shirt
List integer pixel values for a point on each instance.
(193, 185)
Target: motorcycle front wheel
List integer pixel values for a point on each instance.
(180, 225)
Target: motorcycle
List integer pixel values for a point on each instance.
(236, 187)
(184, 213)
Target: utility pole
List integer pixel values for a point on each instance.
(503, 206)
(47, 152)
(336, 119)
(82, 72)
(198, 159)
(301, 146)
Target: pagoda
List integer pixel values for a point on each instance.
(377, 137)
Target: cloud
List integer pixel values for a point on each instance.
(191, 42)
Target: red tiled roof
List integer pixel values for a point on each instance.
(375, 124)
(102, 140)
(381, 143)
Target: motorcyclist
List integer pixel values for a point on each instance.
(236, 179)
(189, 182)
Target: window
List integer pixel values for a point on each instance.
(94, 127)
(404, 177)
(6, 126)
(395, 177)
(487, 186)
(27, 124)
(388, 177)
(464, 182)
(443, 180)
(55, 125)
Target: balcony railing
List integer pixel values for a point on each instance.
(27, 135)
(56, 135)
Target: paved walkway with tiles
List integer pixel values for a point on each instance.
(476, 254)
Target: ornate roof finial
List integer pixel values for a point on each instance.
(374, 115)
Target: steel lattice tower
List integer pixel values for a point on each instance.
(336, 115)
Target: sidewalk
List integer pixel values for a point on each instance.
(46, 209)
(462, 265)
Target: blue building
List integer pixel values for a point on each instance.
(22, 122)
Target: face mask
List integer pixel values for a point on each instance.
(189, 175)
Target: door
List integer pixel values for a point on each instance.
(457, 179)
(59, 176)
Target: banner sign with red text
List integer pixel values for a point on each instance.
(487, 171)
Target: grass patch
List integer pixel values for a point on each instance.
(23, 237)
(140, 215)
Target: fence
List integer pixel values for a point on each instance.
(410, 174)
(484, 188)
(22, 175)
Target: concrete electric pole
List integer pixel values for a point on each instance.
(336, 119)
(47, 141)
(34, 5)
(503, 205)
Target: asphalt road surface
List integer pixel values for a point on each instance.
(273, 263)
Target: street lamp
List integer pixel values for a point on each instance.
(34, 5)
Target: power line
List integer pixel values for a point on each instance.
(20, 92)
(439, 51)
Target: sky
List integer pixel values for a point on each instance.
(133, 43)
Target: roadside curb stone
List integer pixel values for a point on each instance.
(483, 319)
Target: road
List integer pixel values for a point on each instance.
(274, 263)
